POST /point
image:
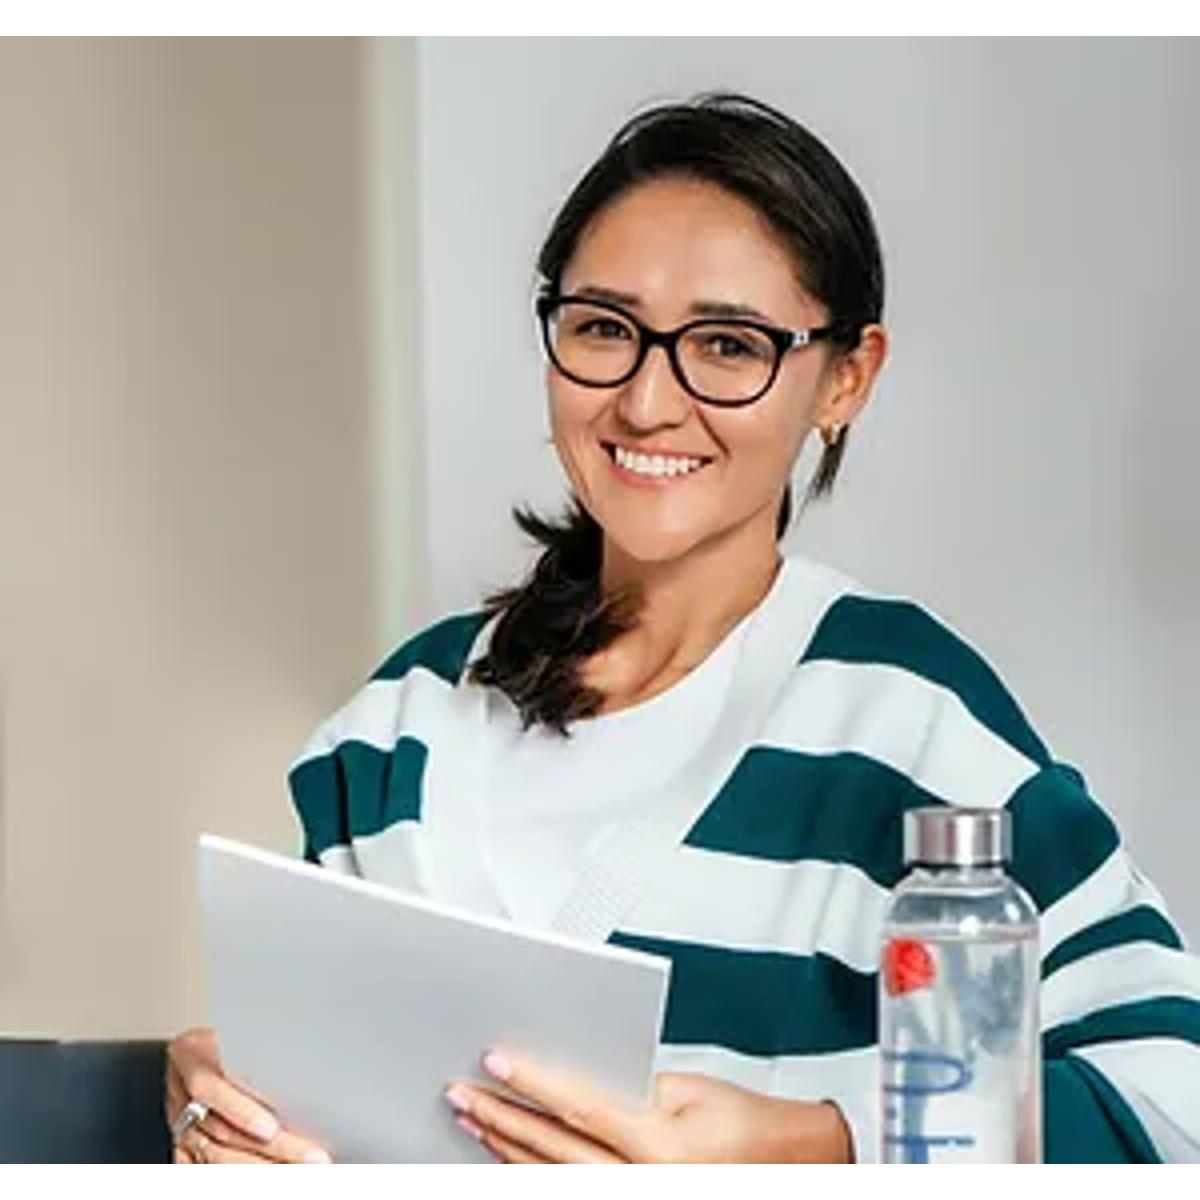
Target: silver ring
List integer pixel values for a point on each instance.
(193, 1113)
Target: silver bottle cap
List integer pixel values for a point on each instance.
(957, 837)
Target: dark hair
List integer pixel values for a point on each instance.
(559, 617)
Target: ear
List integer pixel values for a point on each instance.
(851, 377)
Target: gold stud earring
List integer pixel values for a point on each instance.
(831, 435)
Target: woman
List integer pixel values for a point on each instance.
(672, 738)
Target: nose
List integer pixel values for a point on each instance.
(654, 397)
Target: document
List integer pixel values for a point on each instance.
(349, 1007)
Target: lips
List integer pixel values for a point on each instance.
(655, 461)
(653, 470)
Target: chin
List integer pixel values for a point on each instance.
(645, 543)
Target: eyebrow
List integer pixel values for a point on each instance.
(699, 308)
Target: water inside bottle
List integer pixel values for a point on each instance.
(959, 1047)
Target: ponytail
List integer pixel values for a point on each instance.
(553, 622)
(558, 618)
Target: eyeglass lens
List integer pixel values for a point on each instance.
(719, 361)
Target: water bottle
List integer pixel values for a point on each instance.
(960, 1051)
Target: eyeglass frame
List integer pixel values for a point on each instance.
(783, 341)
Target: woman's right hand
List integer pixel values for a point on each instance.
(238, 1128)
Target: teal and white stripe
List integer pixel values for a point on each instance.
(771, 907)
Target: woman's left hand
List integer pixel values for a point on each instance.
(691, 1118)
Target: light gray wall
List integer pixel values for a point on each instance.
(1028, 465)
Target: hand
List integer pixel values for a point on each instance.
(238, 1127)
(691, 1118)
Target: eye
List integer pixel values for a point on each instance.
(602, 328)
(730, 346)
(727, 347)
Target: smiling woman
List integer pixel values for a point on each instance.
(685, 743)
(728, 237)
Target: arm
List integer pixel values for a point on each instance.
(1120, 997)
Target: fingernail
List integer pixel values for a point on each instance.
(264, 1127)
(317, 1157)
(469, 1126)
(497, 1064)
(458, 1098)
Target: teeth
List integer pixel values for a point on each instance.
(657, 465)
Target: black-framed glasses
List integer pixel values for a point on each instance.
(727, 361)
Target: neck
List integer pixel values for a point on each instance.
(688, 605)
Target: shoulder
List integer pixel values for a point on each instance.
(888, 707)
(893, 644)
(404, 694)
(443, 649)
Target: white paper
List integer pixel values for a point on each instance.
(350, 1007)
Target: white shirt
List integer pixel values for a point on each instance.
(557, 798)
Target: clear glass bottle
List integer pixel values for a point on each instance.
(960, 1049)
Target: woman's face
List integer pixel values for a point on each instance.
(667, 248)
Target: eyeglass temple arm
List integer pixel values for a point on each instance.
(802, 337)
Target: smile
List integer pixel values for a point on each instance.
(653, 466)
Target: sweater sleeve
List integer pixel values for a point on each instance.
(320, 782)
(360, 773)
(357, 783)
(1120, 1000)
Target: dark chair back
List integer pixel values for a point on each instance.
(74, 1102)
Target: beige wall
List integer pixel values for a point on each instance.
(186, 495)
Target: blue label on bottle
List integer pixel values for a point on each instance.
(911, 1077)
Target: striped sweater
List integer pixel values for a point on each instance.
(769, 906)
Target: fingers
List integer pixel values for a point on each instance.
(220, 1096)
(510, 1152)
(203, 1149)
(575, 1102)
(175, 1097)
(194, 1056)
(215, 1140)
(194, 1060)
(236, 1122)
(539, 1138)
(285, 1147)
